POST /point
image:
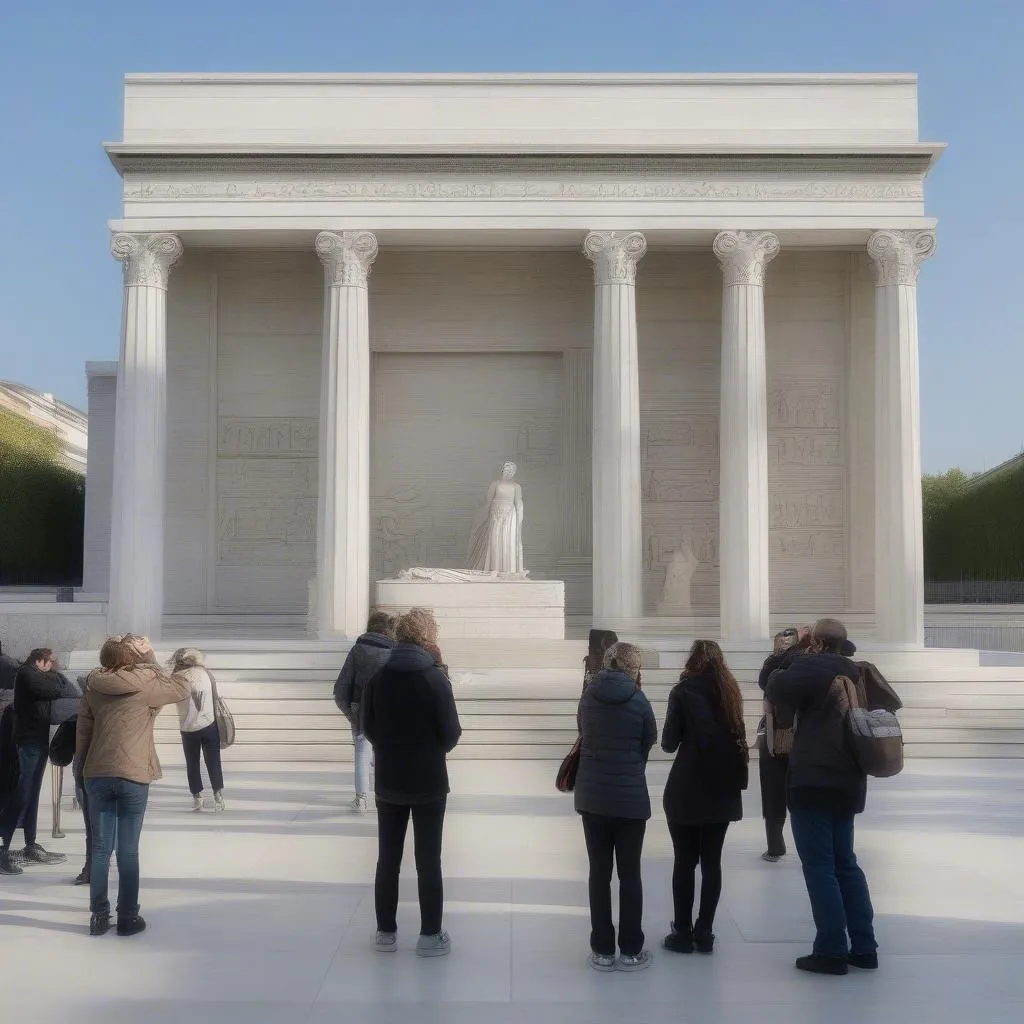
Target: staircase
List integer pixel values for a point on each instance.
(518, 700)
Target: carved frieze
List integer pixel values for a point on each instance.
(808, 405)
(805, 449)
(266, 530)
(819, 545)
(806, 508)
(290, 436)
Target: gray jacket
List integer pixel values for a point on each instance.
(366, 658)
(618, 730)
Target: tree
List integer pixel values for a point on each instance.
(940, 490)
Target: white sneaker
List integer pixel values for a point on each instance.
(434, 945)
(602, 962)
(386, 942)
(197, 803)
(218, 800)
(640, 962)
(359, 805)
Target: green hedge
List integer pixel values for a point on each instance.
(42, 508)
(980, 534)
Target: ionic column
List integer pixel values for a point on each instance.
(343, 516)
(140, 436)
(899, 542)
(617, 540)
(743, 436)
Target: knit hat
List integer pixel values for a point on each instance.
(186, 657)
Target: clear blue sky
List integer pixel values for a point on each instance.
(60, 97)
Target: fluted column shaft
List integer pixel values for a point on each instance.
(743, 433)
(140, 436)
(343, 516)
(617, 539)
(899, 540)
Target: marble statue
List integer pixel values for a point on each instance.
(676, 593)
(496, 544)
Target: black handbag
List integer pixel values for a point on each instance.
(565, 780)
(62, 746)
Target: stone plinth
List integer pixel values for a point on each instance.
(485, 609)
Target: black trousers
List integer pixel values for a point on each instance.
(618, 842)
(208, 741)
(427, 831)
(773, 772)
(693, 845)
(23, 805)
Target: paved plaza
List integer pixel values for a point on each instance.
(264, 915)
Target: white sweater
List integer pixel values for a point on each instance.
(196, 711)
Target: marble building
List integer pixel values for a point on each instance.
(684, 306)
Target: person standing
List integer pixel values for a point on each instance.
(704, 728)
(827, 789)
(409, 716)
(116, 755)
(366, 658)
(198, 725)
(617, 730)
(36, 685)
(597, 643)
(8, 751)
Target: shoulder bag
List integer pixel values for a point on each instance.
(222, 716)
(565, 779)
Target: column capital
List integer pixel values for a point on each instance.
(897, 255)
(147, 258)
(743, 255)
(346, 256)
(615, 255)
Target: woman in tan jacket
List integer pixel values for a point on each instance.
(116, 755)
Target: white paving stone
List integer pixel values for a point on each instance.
(265, 914)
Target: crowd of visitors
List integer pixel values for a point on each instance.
(813, 742)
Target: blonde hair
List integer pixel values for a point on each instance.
(416, 626)
(186, 657)
(626, 658)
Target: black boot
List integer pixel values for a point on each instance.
(703, 938)
(680, 940)
(84, 875)
(131, 925)
(99, 923)
(8, 864)
(815, 964)
(863, 961)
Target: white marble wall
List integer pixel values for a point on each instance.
(479, 357)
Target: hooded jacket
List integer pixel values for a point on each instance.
(618, 729)
(409, 716)
(34, 691)
(364, 661)
(114, 738)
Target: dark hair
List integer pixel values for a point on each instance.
(706, 659)
(598, 642)
(40, 654)
(380, 622)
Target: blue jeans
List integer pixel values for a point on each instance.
(362, 750)
(838, 890)
(116, 808)
(23, 806)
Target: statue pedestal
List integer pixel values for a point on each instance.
(485, 609)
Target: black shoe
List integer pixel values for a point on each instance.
(863, 961)
(84, 876)
(8, 865)
(679, 941)
(99, 924)
(815, 964)
(703, 939)
(38, 855)
(131, 925)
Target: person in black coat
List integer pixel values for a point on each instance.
(704, 728)
(409, 716)
(8, 751)
(36, 686)
(827, 788)
(617, 732)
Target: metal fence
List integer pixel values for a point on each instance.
(974, 591)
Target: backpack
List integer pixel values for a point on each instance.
(875, 736)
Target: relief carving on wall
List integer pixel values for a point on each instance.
(806, 406)
(791, 509)
(823, 545)
(805, 449)
(267, 435)
(266, 530)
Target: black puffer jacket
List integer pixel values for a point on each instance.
(695, 793)
(618, 730)
(34, 690)
(409, 716)
(821, 759)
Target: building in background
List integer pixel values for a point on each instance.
(68, 423)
